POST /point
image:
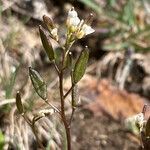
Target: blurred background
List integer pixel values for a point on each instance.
(116, 84)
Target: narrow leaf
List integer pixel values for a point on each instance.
(19, 103)
(92, 4)
(80, 66)
(147, 128)
(2, 140)
(38, 83)
(46, 44)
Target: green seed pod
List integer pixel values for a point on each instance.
(46, 44)
(80, 66)
(38, 83)
(147, 128)
(75, 96)
(48, 22)
(19, 103)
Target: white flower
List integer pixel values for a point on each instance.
(77, 26)
(84, 30)
(72, 19)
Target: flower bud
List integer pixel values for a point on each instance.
(72, 20)
(54, 33)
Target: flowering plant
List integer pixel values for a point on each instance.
(139, 124)
(76, 29)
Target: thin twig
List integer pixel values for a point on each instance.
(54, 107)
(27, 120)
(56, 67)
(71, 118)
(69, 91)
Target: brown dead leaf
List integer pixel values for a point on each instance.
(110, 100)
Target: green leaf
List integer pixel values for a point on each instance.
(128, 13)
(19, 103)
(92, 4)
(80, 66)
(147, 128)
(46, 44)
(38, 83)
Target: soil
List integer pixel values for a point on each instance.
(99, 123)
(100, 133)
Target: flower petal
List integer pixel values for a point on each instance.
(87, 29)
(72, 13)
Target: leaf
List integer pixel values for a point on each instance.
(19, 103)
(92, 4)
(38, 83)
(80, 66)
(46, 44)
(147, 128)
(2, 140)
(128, 13)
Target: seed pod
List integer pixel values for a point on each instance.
(75, 96)
(80, 66)
(19, 103)
(48, 22)
(38, 83)
(46, 44)
(147, 128)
